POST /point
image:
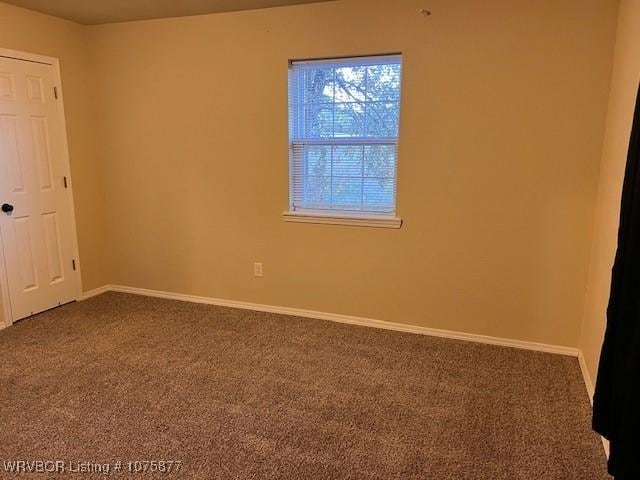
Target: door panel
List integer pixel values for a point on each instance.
(24, 242)
(53, 247)
(6, 85)
(41, 151)
(10, 153)
(35, 92)
(37, 235)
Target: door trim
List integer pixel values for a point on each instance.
(4, 278)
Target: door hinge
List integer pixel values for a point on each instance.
(55, 92)
(64, 179)
(73, 264)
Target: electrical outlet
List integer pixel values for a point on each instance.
(257, 269)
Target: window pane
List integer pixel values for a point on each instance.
(318, 120)
(347, 192)
(349, 120)
(319, 160)
(383, 82)
(317, 191)
(347, 161)
(319, 85)
(383, 119)
(350, 84)
(380, 161)
(379, 192)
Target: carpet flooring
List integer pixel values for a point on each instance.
(234, 394)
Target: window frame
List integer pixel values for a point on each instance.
(365, 218)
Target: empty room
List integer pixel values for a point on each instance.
(320, 239)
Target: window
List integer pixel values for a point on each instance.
(343, 131)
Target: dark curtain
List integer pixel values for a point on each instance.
(616, 408)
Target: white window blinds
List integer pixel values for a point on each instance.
(343, 128)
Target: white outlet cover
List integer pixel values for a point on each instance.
(257, 269)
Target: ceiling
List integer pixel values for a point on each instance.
(94, 12)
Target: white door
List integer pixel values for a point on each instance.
(35, 204)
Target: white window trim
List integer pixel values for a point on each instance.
(332, 217)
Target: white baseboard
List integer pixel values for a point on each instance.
(97, 291)
(334, 317)
(585, 374)
(590, 389)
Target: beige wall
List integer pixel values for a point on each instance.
(35, 33)
(502, 124)
(624, 86)
(178, 141)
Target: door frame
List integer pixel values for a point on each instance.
(4, 277)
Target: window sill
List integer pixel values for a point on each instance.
(339, 218)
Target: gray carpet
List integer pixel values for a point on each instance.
(235, 394)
